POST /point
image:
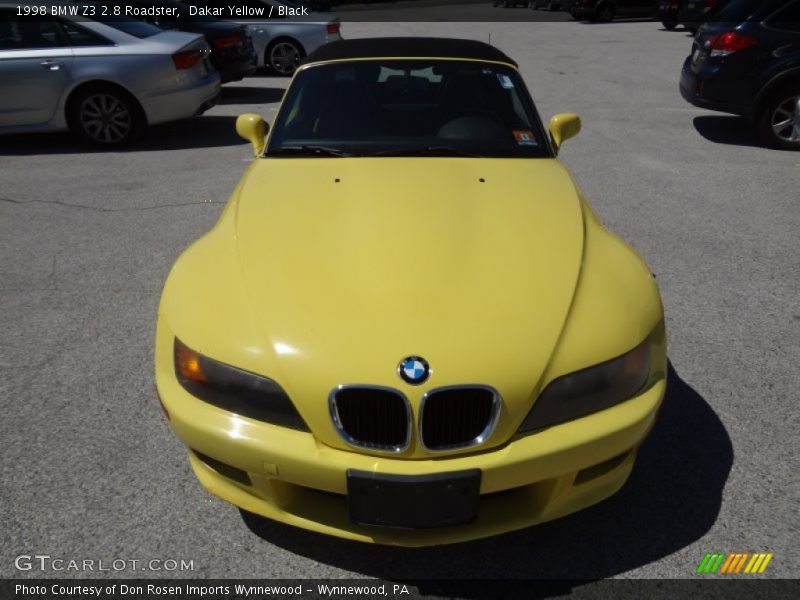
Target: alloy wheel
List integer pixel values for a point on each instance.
(786, 120)
(105, 118)
(284, 57)
(605, 14)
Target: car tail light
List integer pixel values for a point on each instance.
(724, 44)
(711, 4)
(187, 59)
(228, 41)
(333, 27)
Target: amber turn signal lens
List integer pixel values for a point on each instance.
(234, 390)
(188, 363)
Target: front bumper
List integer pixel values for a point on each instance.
(293, 478)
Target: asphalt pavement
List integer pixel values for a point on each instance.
(445, 10)
(90, 469)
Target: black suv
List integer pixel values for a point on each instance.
(232, 52)
(746, 61)
(690, 13)
(604, 11)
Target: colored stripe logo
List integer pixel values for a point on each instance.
(734, 563)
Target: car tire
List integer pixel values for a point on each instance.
(105, 115)
(778, 123)
(604, 13)
(282, 56)
(669, 25)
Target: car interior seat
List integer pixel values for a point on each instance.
(350, 110)
(30, 33)
(469, 107)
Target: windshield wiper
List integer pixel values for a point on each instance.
(427, 151)
(309, 151)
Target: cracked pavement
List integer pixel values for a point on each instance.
(103, 209)
(90, 469)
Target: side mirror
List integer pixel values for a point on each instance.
(564, 126)
(254, 129)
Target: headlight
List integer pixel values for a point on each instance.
(235, 390)
(590, 390)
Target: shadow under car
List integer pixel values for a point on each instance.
(672, 499)
(727, 129)
(200, 132)
(250, 95)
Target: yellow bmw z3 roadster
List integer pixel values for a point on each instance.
(407, 326)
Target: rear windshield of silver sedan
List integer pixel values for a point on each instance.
(402, 107)
(139, 29)
(105, 13)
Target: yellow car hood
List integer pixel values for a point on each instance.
(352, 264)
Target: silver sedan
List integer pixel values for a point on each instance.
(105, 81)
(284, 38)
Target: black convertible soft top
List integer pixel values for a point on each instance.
(407, 47)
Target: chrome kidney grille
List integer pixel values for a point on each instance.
(458, 417)
(380, 418)
(372, 417)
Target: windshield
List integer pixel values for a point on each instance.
(408, 107)
(139, 29)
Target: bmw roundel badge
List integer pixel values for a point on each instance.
(414, 370)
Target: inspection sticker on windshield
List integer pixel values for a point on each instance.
(525, 137)
(505, 81)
